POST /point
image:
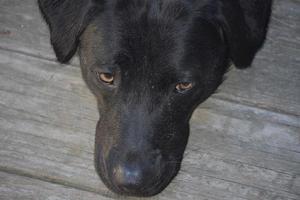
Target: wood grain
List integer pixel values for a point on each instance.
(20, 187)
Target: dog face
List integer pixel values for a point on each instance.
(150, 63)
(148, 72)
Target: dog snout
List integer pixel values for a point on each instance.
(136, 173)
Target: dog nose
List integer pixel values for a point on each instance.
(129, 177)
(135, 174)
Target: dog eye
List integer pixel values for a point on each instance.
(107, 78)
(182, 87)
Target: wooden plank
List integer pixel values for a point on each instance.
(47, 120)
(273, 80)
(23, 29)
(272, 83)
(24, 188)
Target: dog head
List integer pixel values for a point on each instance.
(150, 63)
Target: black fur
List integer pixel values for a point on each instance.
(151, 46)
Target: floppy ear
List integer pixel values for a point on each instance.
(245, 24)
(67, 19)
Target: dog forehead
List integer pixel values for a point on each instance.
(167, 9)
(143, 36)
(150, 33)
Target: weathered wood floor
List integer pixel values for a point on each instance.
(244, 144)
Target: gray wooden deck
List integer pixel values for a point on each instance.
(244, 143)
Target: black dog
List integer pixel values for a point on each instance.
(150, 63)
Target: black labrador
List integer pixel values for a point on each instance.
(150, 63)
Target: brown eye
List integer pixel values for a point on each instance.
(107, 78)
(182, 87)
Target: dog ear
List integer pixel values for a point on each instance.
(67, 19)
(245, 24)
